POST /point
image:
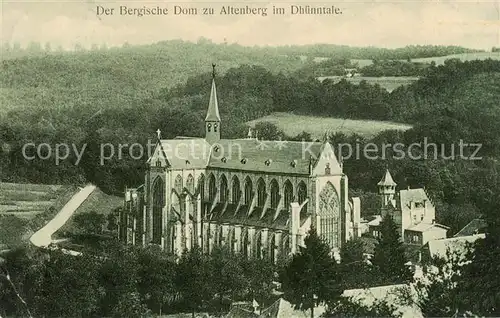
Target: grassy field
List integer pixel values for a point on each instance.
(389, 83)
(439, 60)
(27, 200)
(24, 208)
(293, 125)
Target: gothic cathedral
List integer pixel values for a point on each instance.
(255, 197)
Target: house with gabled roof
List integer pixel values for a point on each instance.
(412, 210)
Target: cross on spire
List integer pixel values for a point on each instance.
(213, 70)
(158, 133)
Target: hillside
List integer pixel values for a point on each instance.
(107, 77)
(293, 125)
(120, 77)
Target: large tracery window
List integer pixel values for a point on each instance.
(275, 191)
(261, 193)
(329, 214)
(158, 204)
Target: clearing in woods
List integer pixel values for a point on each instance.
(292, 125)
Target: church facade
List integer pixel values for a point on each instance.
(255, 197)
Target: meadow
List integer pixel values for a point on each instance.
(293, 125)
(439, 60)
(389, 83)
(24, 208)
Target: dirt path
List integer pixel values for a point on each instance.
(43, 237)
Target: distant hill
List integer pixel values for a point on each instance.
(119, 77)
(292, 125)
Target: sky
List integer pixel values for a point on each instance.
(473, 24)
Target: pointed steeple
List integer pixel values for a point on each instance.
(213, 105)
(212, 121)
(387, 180)
(387, 189)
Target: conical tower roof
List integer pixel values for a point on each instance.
(213, 105)
(387, 180)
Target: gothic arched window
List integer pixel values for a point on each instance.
(223, 189)
(301, 192)
(176, 202)
(235, 190)
(158, 204)
(221, 237)
(329, 214)
(232, 241)
(190, 183)
(261, 193)
(201, 187)
(245, 244)
(212, 189)
(272, 248)
(258, 246)
(178, 184)
(275, 192)
(248, 191)
(288, 194)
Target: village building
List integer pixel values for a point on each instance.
(412, 210)
(256, 197)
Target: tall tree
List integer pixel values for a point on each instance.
(156, 282)
(311, 277)
(356, 271)
(228, 277)
(194, 280)
(260, 274)
(389, 257)
(479, 286)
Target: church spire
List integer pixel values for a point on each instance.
(213, 105)
(212, 121)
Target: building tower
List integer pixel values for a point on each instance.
(387, 189)
(212, 121)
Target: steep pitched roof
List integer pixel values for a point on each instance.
(213, 105)
(475, 226)
(411, 195)
(424, 227)
(184, 153)
(283, 309)
(387, 180)
(459, 245)
(265, 156)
